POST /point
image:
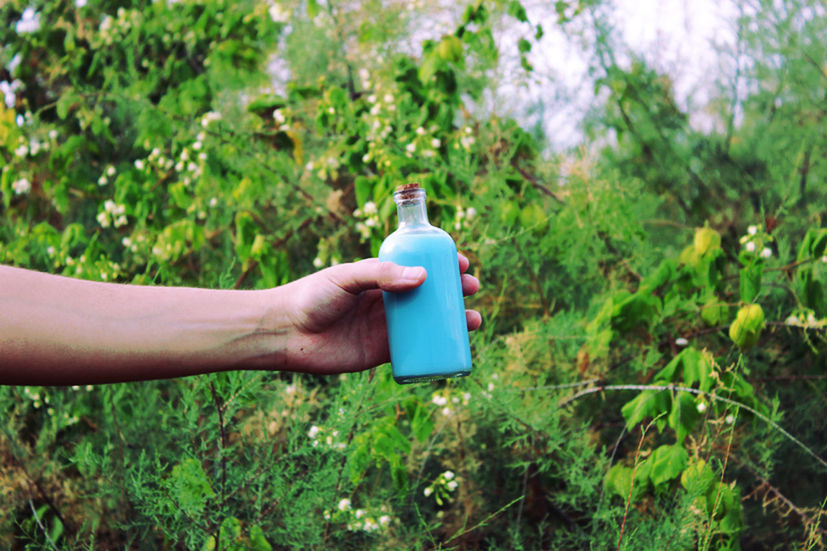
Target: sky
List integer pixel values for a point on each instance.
(675, 37)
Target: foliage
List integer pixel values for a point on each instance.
(650, 374)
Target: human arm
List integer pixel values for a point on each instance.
(56, 330)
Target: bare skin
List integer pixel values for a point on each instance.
(56, 330)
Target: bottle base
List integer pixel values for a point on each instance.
(410, 379)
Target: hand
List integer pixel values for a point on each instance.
(338, 317)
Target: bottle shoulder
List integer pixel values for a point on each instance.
(416, 237)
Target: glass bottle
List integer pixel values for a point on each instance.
(427, 328)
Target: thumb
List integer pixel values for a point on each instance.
(373, 274)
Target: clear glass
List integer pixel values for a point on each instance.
(427, 327)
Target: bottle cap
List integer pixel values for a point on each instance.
(408, 193)
(405, 187)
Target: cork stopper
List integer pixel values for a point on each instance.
(405, 187)
(408, 193)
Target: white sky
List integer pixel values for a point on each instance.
(675, 37)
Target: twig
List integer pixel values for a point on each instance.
(221, 450)
(709, 395)
(40, 524)
(765, 484)
(631, 486)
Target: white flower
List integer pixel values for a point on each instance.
(824, 258)
(102, 181)
(375, 110)
(29, 23)
(8, 91)
(766, 252)
(53, 134)
(410, 148)
(366, 158)
(197, 146)
(750, 246)
(435, 142)
(126, 242)
(369, 208)
(278, 14)
(314, 430)
(729, 419)
(439, 400)
(490, 387)
(371, 222)
(80, 3)
(103, 219)
(448, 475)
(470, 213)
(360, 513)
(452, 485)
(680, 341)
(109, 205)
(428, 491)
(22, 150)
(50, 250)
(21, 186)
(446, 411)
(384, 520)
(792, 320)
(420, 131)
(752, 230)
(120, 221)
(14, 63)
(701, 407)
(388, 98)
(371, 98)
(317, 262)
(139, 164)
(110, 170)
(344, 504)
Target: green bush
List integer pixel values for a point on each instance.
(650, 372)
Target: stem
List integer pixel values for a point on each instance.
(222, 444)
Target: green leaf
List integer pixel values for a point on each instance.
(524, 46)
(746, 329)
(189, 486)
(714, 312)
(421, 424)
(649, 403)
(667, 462)
(258, 541)
(698, 477)
(516, 10)
(750, 280)
(706, 240)
(684, 415)
(66, 102)
(619, 480)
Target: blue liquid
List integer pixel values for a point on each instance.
(427, 328)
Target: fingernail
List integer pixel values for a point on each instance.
(413, 273)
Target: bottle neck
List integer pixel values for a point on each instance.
(410, 206)
(412, 213)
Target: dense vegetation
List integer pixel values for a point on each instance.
(651, 369)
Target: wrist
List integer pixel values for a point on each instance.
(261, 330)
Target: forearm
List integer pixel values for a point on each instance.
(57, 330)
